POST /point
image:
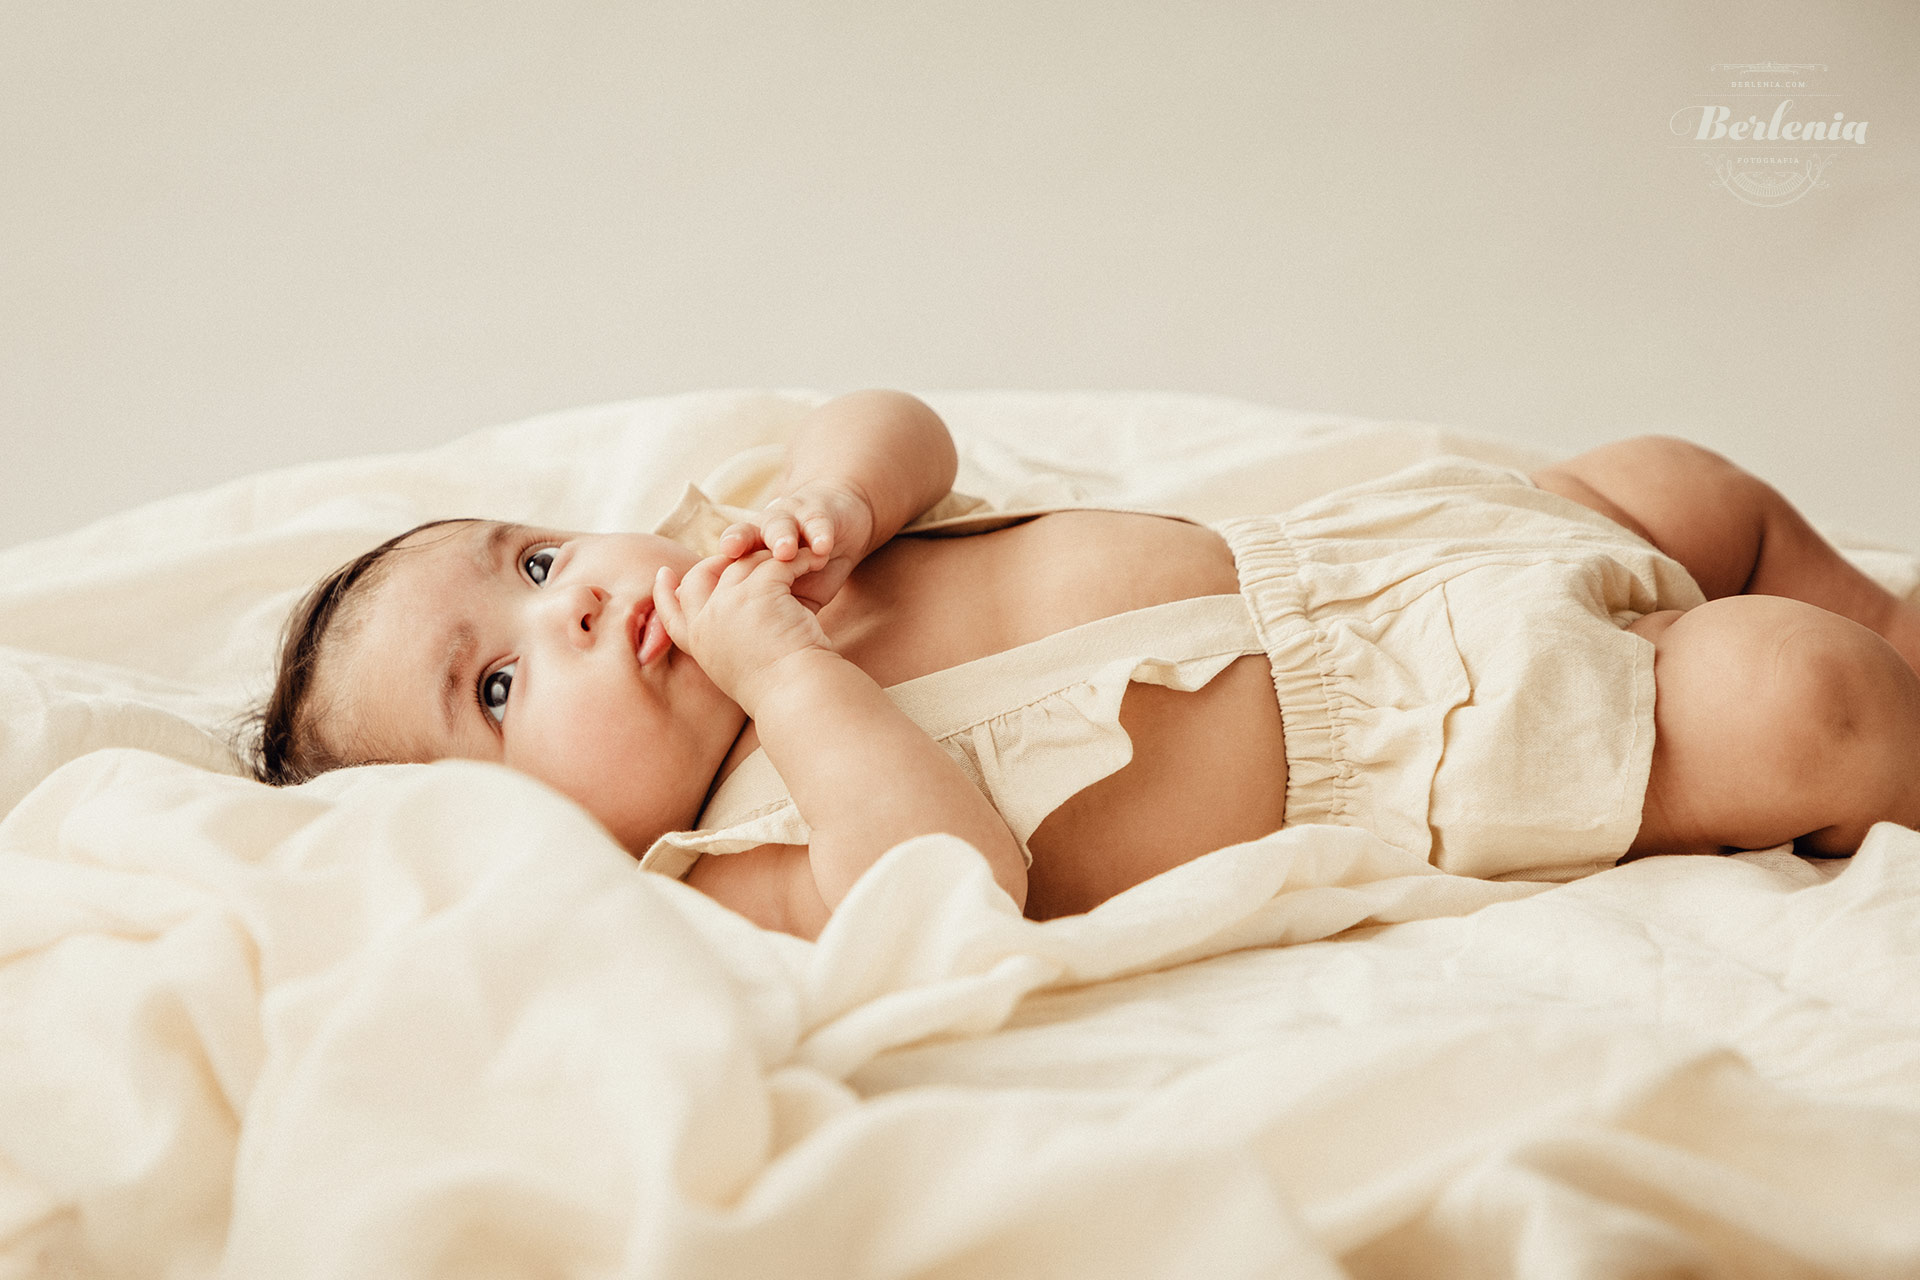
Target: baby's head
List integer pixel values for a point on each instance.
(491, 641)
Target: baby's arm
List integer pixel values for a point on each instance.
(858, 469)
(863, 775)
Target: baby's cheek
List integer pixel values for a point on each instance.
(563, 756)
(629, 783)
(615, 798)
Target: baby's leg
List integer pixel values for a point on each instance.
(1731, 530)
(1774, 721)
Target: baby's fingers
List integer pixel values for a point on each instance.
(692, 592)
(666, 603)
(792, 523)
(820, 534)
(811, 522)
(781, 533)
(739, 539)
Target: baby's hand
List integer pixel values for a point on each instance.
(739, 619)
(831, 518)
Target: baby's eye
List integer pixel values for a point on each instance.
(539, 564)
(494, 689)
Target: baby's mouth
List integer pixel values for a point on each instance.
(646, 633)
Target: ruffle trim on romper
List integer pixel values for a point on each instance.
(1032, 758)
(1061, 737)
(778, 822)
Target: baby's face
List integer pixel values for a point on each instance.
(501, 642)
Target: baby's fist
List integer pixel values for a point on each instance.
(831, 518)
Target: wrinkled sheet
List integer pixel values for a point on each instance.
(430, 1020)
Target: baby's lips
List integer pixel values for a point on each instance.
(646, 631)
(654, 641)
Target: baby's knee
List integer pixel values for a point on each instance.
(1815, 699)
(1837, 708)
(1858, 705)
(1775, 721)
(1842, 684)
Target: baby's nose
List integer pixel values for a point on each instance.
(584, 614)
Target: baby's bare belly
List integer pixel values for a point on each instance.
(1209, 768)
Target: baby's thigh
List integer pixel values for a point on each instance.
(1774, 721)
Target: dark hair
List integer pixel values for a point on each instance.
(284, 746)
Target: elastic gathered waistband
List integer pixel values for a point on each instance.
(1320, 784)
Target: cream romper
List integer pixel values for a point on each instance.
(1448, 651)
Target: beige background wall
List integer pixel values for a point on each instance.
(239, 236)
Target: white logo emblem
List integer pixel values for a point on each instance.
(1769, 136)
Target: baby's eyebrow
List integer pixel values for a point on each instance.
(494, 549)
(460, 648)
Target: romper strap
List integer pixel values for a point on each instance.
(945, 702)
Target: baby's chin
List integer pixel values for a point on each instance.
(638, 837)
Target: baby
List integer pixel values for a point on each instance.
(1642, 650)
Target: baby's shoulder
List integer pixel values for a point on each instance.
(1068, 567)
(1121, 560)
(922, 604)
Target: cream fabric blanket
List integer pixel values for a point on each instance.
(430, 1021)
